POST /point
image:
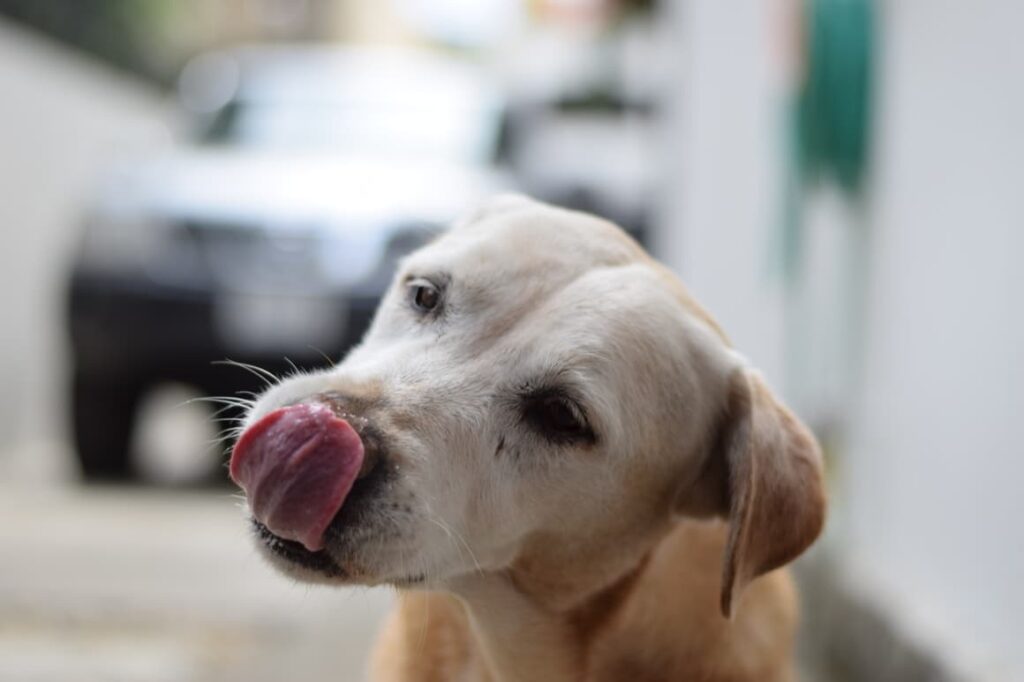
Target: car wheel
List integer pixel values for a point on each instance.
(104, 418)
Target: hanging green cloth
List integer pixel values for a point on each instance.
(834, 103)
(830, 118)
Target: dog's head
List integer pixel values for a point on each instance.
(536, 396)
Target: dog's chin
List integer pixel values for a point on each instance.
(323, 566)
(295, 561)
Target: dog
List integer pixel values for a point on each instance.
(554, 454)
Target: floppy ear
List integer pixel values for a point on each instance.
(764, 474)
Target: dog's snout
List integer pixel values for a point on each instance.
(348, 404)
(354, 410)
(371, 457)
(305, 447)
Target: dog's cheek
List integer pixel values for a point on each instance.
(492, 517)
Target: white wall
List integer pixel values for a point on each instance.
(722, 181)
(929, 496)
(63, 119)
(934, 477)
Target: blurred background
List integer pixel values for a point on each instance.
(184, 182)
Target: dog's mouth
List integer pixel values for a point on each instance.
(319, 497)
(294, 552)
(320, 561)
(338, 533)
(297, 465)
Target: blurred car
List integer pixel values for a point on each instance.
(594, 154)
(586, 109)
(271, 238)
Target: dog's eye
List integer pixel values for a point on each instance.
(558, 419)
(423, 295)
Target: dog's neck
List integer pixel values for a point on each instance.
(519, 640)
(522, 639)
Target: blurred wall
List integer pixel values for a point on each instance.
(722, 168)
(932, 481)
(65, 118)
(926, 499)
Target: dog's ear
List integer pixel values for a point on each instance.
(764, 474)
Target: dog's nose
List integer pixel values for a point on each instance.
(372, 456)
(352, 409)
(303, 447)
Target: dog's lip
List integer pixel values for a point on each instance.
(409, 580)
(319, 561)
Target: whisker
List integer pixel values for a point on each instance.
(324, 355)
(225, 409)
(220, 400)
(266, 375)
(455, 535)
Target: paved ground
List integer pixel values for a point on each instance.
(149, 585)
(141, 586)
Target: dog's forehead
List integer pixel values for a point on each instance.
(560, 288)
(608, 314)
(528, 240)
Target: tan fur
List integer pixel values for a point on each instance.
(650, 554)
(662, 625)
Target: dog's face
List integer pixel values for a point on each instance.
(534, 394)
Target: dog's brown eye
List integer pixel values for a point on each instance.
(558, 416)
(558, 419)
(425, 296)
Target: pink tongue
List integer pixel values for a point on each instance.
(296, 465)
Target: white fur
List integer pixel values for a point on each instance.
(532, 291)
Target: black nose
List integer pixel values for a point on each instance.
(354, 409)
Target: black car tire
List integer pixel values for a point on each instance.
(104, 420)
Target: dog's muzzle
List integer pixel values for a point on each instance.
(297, 465)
